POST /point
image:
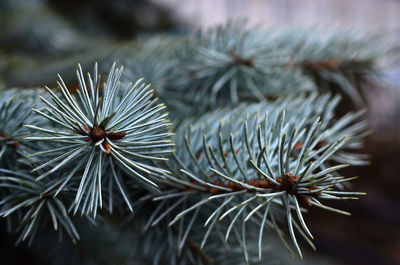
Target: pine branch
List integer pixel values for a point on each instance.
(33, 204)
(100, 128)
(229, 63)
(343, 61)
(253, 161)
(239, 171)
(15, 110)
(219, 64)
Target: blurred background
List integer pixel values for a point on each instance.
(39, 38)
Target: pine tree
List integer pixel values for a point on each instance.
(208, 148)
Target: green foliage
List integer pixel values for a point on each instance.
(251, 161)
(15, 110)
(97, 130)
(34, 204)
(344, 61)
(225, 64)
(255, 144)
(229, 64)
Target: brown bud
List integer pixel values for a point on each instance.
(116, 136)
(97, 133)
(303, 201)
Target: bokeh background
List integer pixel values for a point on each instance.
(39, 38)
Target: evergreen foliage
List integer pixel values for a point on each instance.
(254, 144)
(98, 130)
(246, 162)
